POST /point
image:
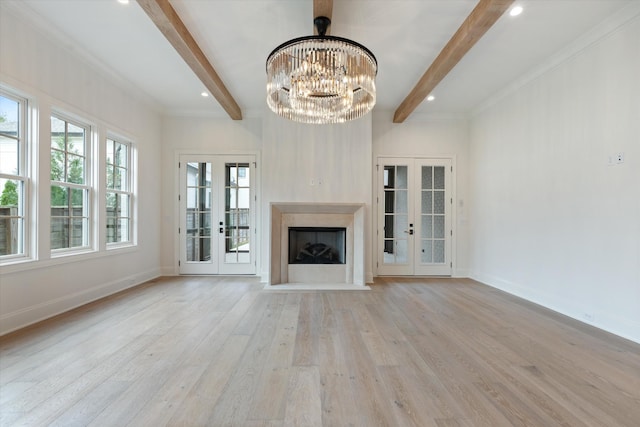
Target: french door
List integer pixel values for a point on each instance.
(414, 217)
(217, 214)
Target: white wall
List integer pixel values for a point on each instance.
(432, 137)
(552, 220)
(48, 72)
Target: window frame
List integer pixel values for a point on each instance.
(23, 174)
(129, 191)
(87, 187)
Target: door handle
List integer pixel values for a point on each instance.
(221, 230)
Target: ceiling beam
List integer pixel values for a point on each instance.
(169, 23)
(483, 16)
(322, 8)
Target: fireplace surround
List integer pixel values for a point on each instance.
(329, 216)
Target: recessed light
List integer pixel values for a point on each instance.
(205, 94)
(430, 98)
(515, 11)
(123, 1)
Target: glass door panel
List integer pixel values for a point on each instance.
(394, 208)
(237, 245)
(196, 217)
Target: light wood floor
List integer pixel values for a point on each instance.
(217, 351)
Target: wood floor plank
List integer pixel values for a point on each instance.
(304, 404)
(223, 351)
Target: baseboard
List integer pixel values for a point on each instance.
(19, 319)
(598, 319)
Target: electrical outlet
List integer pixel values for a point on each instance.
(619, 158)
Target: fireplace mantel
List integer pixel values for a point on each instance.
(300, 214)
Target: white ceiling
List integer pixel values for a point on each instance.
(238, 35)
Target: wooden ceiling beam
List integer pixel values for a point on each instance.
(169, 23)
(322, 8)
(483, 16)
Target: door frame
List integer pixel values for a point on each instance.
(177, 154)
(379, 162)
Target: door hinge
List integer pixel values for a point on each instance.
(377, 167)
(179, 165)
(178, 230)
(178, 263)
(451, 168)
(451, 264)
(452, 232)
(178, 197)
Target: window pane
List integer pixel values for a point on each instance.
(123, 204)
(123, 230)
(438, 231)
(76, 139)
(401, 177)
(77, 201)
(78, 225)
(243, 175)
(59, 199)
(427, 179)
(57, 165)
(59, 233)
(10, 234)
(110, 179)
(10, 113)
(121, 155)
(112, 229)
(438, 178)
(120, 182)
(438, 251)
(402, 201)
(438, 202)
(11, 196)
(426, 255)
(9, 154)
(427, 227)
(110, 158)
(75, 169)
(57, 133)
(427, 202)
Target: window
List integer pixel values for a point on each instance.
(119, 192)
(13, 176)
(69, 184)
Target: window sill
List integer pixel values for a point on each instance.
(30, 264)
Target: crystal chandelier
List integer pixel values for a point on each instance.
(321, 79)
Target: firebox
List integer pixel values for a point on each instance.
(317, 245)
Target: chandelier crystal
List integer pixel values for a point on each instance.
(321, 79)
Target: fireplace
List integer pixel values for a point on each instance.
(317, 245)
